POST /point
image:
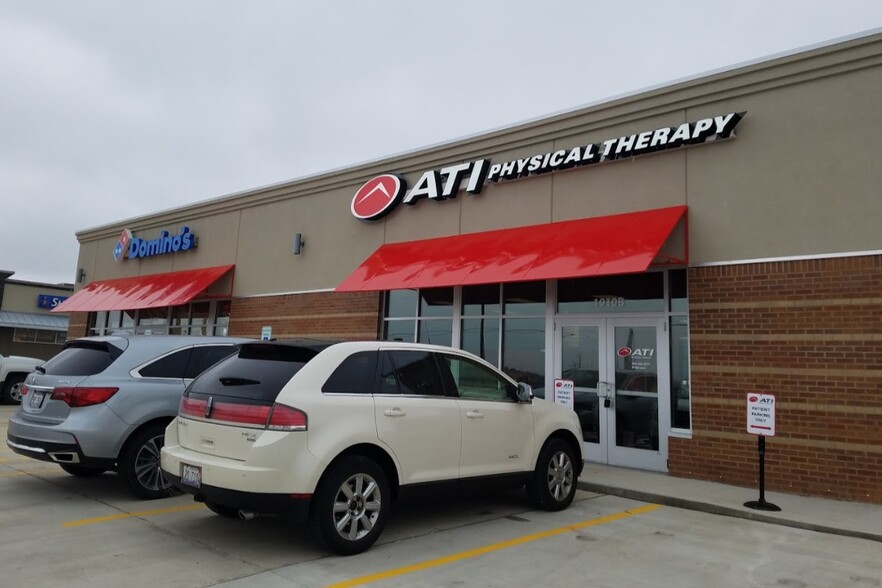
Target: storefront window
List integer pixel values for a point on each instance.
(153, 321)
(436, 332)
(480, 300)
(222, 318)
(399, 330)
(401, 303)
(481, 336)
(524, 298)
(199, 318)
(611, 294)
(425, 316)
(680, 396)
(523, 350)
(38, 336)
(436, 302)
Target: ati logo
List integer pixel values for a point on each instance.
(764, 400)
(640, 352)
(378, 197)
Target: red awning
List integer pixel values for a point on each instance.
(150, 291)
(617, 244)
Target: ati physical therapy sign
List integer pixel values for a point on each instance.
(132, 247)
(381, 195)
(761, 414)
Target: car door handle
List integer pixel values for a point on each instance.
(394, 412)
(475, 414)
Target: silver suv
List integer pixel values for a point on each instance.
(103, 403)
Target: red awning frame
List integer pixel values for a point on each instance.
(147, 291)
(607, 245)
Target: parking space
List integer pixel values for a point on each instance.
(59, 530)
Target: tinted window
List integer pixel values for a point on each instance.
(257, 372)
(477, 382)
(82, 359)
(415, 373)
(355, 375)
(205, 356)
(170, 366)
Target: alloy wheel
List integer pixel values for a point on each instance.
(357, 506)
(560, 475)
(147, 465)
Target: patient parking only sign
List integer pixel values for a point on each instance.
(761, 414)
(563, 392)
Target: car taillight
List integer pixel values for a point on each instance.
(24, 390)
(277, 417)
(192, 407)
(82, 395)
(285, 418)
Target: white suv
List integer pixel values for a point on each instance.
(334, 431)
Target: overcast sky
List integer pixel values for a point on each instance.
(112, 109)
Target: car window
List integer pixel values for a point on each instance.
(205, 356)
(477, 382)
(82, 358)
(412, 373)
(258, 372)
(169, 366)
(354, 375)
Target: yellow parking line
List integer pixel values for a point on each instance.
(126, 515)
(432, 563)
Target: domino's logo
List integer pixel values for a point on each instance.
(122, 246)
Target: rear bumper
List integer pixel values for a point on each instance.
(294, 506)
(55, 452)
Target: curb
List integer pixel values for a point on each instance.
(723, 510)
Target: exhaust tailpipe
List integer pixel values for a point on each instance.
(247, 515)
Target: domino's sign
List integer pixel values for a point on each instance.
(131, 247)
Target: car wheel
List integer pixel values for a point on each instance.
(82, 471)
(224, 511)
(350, 505)
(139, 464)
(553, 484)
(12, 389)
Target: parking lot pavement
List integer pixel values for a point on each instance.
(57, 530)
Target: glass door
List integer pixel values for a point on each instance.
(640, 384)
(619, 368)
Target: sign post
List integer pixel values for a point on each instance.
(761, 422)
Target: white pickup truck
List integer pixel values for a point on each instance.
(13, 370)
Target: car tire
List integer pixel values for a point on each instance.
(12, 389)
(350, 506)
(139, 465)
(553, 484)
(224, 511)
(81, 471)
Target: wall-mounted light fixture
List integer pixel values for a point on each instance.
(298, 243)
(81, 275)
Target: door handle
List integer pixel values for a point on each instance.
(475, 414)
(394, 412)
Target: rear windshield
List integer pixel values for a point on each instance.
(82, 358)
(257, 372)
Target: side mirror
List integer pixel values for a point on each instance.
(525, 392)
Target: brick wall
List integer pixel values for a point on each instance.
(333, 315)
(809, 332)
(77, 325)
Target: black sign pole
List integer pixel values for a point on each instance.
(761, 504)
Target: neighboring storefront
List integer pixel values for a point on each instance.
(667, 252)
(27, 325)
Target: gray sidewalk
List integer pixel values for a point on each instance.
(852, 519)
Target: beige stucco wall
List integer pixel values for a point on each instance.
(23, 297)
(799, 179)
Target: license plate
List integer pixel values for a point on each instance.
(191, 475)
(36, 399)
